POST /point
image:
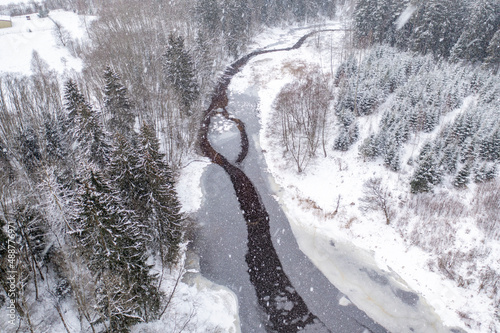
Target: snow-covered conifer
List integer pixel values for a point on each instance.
(179, 71)
(117, 104)
(473, 43)
(427, 173)
(462, 178)
(157, 205)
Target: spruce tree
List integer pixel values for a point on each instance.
(392, 158)
(493, 52)
(122, 165)
(369, 149)
(473, 43)
(113, 242)
(117, 104)
(462, 178)
(56, 146)
(179, 71)
(74, 101)
(489, 148)
(84, 127)
(484, 173)
(157, 203)
(427, 173)
(87, 129)
(450, 158)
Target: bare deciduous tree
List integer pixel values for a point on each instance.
(300, 116)
(377, 197)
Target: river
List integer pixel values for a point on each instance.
(246, 243)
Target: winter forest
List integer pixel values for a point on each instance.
(93, 235)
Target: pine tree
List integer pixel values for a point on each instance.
(427, 173)
(117, 104)
(493, 52)
(179, 71)
(462, 178)
(114, 245)
(473, 43)
(157, 203)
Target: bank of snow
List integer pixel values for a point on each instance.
(203, 305)
(197, 304)
(323, 207)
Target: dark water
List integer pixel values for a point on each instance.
(278, 288)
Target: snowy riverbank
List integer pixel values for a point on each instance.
(310, 201)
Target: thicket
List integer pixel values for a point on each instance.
(414, 94)
(460, 30)
(85, 198)
(300, 116)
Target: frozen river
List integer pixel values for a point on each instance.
(247, 244)
(223, 240)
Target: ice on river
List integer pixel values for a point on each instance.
(381, 294)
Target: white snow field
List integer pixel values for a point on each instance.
(39, 34)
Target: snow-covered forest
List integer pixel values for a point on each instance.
(398, 117)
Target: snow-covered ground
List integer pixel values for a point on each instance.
(198, 305)
(41, 35)
(310, 198)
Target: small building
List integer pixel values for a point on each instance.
(5, 22)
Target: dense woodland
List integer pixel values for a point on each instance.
(88, 161)
(426, 73)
